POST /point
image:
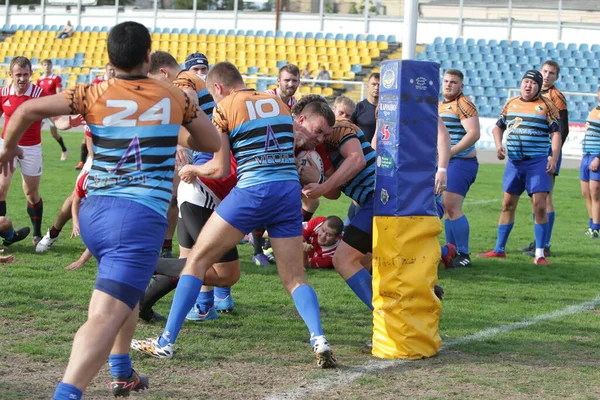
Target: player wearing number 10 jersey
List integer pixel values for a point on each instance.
(258, 129)
(135, 123)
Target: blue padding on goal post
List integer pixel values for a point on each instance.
(407, 138)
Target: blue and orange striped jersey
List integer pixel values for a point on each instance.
(362, 185)
(260, 130)
(189, 80)
(134, 123)
(591, 140)
(528, 126)
(452, 113)
(186, 79)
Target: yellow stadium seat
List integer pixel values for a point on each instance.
(248, 39)
(327, 92)
(344, 59)
(342, 51)
(193, 37)
(363, 52)
(290, 50)
(261, 48)
(208, 38)
(243, 69)
(374, 53)
(289, 41)
(83, 35)
(26, 33)
(240, 39)
(280, 49)
(350, 43)
(44, 34)
(300, 50)
(301, 58)
(365, 60)
(193, 47)
(251, 48)
(313, 66)
(230, 54)
(230, 39)
(320, 42)
(371, 45)
(361, 44)
(230, 47)
(163, 47)
(271, 62)
(323, 58)
(270, 40)
(221, 38)
(316, 90)
(291, 58)
(382, 45)
(174, 37)
(336, 74)
(211, 46)
(35, 34)
(103, 35)
(349, 76)
(321, 51)
(273, 71)
(354, 60)
(309, 42)
(340, 44)
(183, 37)
(305, 89)
(262, 63)
(251, 62)
(18, 34)
(53, 54)
(164, 37)
(279, 41)
(94, 35)
(353, 51)
(241, 56)
(201, 47)
(259, 40)
(330, 43)
(300, 41)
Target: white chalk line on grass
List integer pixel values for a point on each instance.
(346, 377)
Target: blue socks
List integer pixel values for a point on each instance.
(449, 233)
(120, 365)
(362, 285)
(541, 232)
(8, 235)
(503, 232)
(205, 300)
(307, 305)
(548, 235)
(66, 391)
(222, 292)
(595, 227)
(445, 251)
(591, 224)
(184, 299)
(460, 230)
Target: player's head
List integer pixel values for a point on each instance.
(313, 120)
(373, 86)
(331, 231)
(47, 65)
(20, 72)
(109, 71)
(531, 85)
(343, 107)
(222, 79)
(453, 83)
(197, 63)
(550, 72)
(129, 47)
(163, 66)
(288, 79)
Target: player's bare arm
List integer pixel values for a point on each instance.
(500, 150)
(472, 127)
(200, 134)
(354, 162)
(443, 143)
(217, 168)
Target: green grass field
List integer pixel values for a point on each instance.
(261, 349)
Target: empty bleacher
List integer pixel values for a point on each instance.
(254, 52)
(493, 67)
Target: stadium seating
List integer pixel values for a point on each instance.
(256, 53)
(492, 68)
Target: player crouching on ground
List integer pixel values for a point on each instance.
(321, 238)
(532, 125)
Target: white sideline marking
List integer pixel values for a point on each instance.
(468, 203)
(346, 377)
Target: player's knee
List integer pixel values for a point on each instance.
(453, 212)
(508, 206)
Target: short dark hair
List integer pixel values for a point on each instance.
(314, 105)
(21, 62)
(161, 59)
(290, 68)
(46, 61)
(455, 72)
(375, 75)
(128, 43)
(224, 73)
(335, 223)
(554, 64)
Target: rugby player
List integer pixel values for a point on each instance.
(462, 121)
(135, 123)
(258, 129)
(533, 127)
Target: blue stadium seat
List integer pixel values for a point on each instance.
(210, 32)
(291, 35)
(549, 46)
(370, 38)
(37, 28)
(493, 102)
(96, 28)
(476, 57)
(319, 35)
(35, 60)
(52, 28)
(537, 45)
(493, 43)
(588, 55)
(448, 41)
(571, 87)
(262, 33)
(470, 42)
(478, 91)
(438, 40)
(104, 29)
(584, 47)
(87, 29)
(497, 50)
(482, 101)
(252, 70)
(526, 44)
(349, 36)
(493, 67)
(569, 62)
(572, 47)
(340, 36)
(553, 53)
(459, 41)
(490, 92)
(481, 42)
(485, 110)
(360, 36)
(561, 46)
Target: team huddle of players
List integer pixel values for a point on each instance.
(234, 170)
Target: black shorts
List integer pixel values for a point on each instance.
(192, 219)
(358, 239)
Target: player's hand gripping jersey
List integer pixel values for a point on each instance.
(260, 132)
(134, 124)
(362, 185)
(528, 125)
(9, 102)
(452, 113)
